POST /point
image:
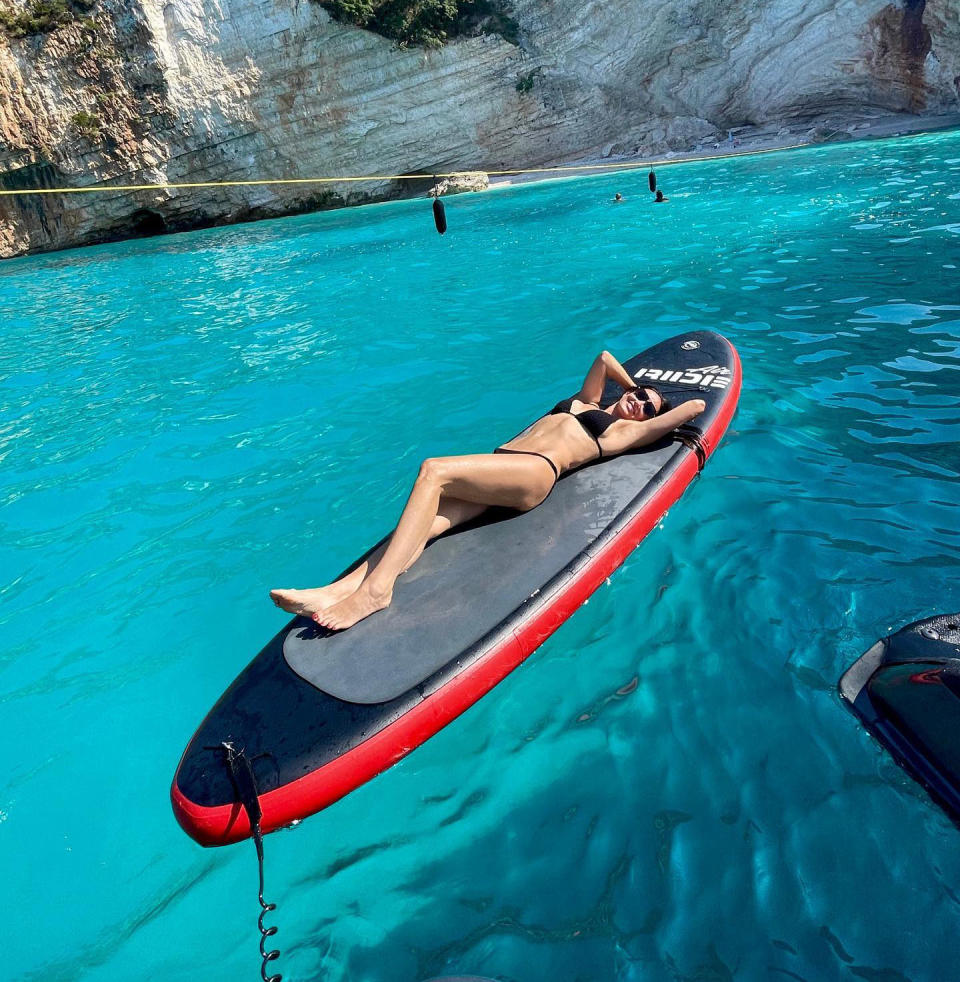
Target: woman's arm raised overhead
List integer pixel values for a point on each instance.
(626, 434)
(604, 366)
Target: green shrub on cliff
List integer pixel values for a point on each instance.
(425, 22)
(86, 124)
(41, 16)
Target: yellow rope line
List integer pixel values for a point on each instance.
(635, 165)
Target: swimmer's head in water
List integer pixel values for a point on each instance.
(618, 197)
(659, 196)
(642, 402)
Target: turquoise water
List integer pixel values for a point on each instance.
(669, 788)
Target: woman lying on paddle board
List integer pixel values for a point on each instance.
(520, 474)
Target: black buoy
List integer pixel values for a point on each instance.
(439, 216)
(652, 178)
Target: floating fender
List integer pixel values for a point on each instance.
(652, 178)
(439, 216)
(906, 692)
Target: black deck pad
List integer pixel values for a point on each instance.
(467, 583)
(476, 583)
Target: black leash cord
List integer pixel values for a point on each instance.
(241, 773)
(265, 908)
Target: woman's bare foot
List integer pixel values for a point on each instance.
(360, 604)
(308, 603)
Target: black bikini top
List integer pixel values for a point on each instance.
(594, 421)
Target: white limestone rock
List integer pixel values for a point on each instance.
(459, 183)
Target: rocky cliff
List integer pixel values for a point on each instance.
(192, 91)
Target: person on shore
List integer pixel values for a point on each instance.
(518, 474)
(659, 199)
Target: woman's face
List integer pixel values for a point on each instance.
(639, 405)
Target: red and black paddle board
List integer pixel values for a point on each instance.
(319, 713)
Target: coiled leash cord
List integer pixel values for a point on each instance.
(241, 773)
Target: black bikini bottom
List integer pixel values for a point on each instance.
(533, 453)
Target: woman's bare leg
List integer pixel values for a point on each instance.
(514, 481)
(452, 512)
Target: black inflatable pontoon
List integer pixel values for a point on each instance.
(318, 713)
(906, 691)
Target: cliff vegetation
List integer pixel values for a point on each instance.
(42, 16)
(427, 23)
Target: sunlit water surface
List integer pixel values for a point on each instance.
(669, 788)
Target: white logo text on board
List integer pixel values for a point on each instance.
(709, 377)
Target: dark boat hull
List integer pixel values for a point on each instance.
(906, 691)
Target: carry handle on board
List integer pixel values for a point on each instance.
(690, 437)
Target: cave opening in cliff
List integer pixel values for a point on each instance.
(146, 222)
